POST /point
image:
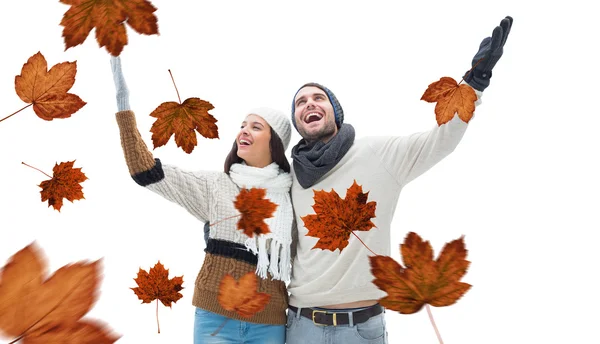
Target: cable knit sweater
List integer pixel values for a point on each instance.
(209, 196)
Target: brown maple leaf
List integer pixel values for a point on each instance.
(109, 18)
(422, 280)
(156, 285)
(451, 98)
(37, 309)
(242, 296)
(335, 218)
(47, 89)
(254, 208)
(182, 121)
(63, 184)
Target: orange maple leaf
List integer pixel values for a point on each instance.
(182, 120)
(63, 184)
(254, 209)
(451, 98)
(335, 218)
(47, 89)
(156, 285)
(423, 280)
(109, 18)
(242, 296)
(39, 310)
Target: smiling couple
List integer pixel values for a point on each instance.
(316, 295)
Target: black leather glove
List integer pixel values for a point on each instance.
(490, 50)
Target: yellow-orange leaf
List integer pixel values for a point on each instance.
(109, 18)
(241, 296)
(451, 98)
(335, 218)
(49, 310)
(422, 280)
(47, 89)
(254, 209)
(64, 184)
(183, 120)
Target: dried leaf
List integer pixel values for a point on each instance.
(156, 285)
(64, 184)
(336, 218)
(254, 209)
(84, 331)
(451, 98)
(109, 18)
(40, 310)
(183, 120)
(47, 90)
(242, 297)
(422, 280)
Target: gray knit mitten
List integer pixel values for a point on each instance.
(120, 85)
(490, 49)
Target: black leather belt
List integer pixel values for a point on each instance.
(328, 318)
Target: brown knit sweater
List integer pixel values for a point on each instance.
(209, 196)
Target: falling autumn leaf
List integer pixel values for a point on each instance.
(450, 98)
(336, 218)
(38, 309)
(156, 285)
(242, 296)
(422, 280)
(254, 208)
(63, 184)
(47, 89)
(109, 18)
(183, 120)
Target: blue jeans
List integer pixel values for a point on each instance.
(234, 331)
(302, 330)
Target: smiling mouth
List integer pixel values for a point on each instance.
(312, 117)
(243, 142)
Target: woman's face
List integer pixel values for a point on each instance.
(253, 141)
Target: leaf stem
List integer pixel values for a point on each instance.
(219, 328)
(227, 218)
(14, 113)
(35, 168)
(175, 86)
(363, 243)
(470, 70)
(433, 323)
(157, 323)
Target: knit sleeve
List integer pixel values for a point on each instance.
(191, 190)
(407, 157)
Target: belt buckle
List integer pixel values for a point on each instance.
(324, 312)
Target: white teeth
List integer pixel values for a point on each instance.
(244, 142)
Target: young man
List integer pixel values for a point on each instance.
(332, 297)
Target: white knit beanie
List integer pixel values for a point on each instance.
(278, 121)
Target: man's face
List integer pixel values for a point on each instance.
(314, 114)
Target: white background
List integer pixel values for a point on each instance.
(522, 186)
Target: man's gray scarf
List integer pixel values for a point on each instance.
(312, 160)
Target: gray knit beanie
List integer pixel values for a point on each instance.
(278, 121)
(338, 112)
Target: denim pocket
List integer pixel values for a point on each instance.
(372, 329)
(290, 319)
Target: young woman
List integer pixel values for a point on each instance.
(256, 159)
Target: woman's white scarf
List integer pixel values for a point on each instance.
(278, 241)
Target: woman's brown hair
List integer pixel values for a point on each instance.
(277, 154)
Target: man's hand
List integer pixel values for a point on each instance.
(120, 85)
(490, 51)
